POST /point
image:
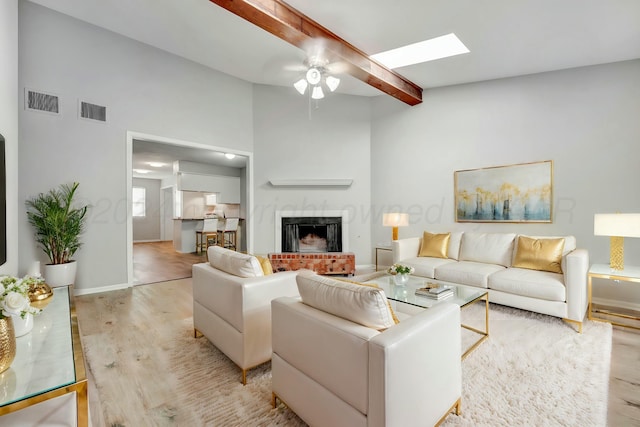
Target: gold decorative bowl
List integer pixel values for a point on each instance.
(40, 295)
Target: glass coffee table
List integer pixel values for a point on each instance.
(462, 296)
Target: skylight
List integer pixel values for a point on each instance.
(427, 50)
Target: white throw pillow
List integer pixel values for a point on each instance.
(490, 248)
(232, 262)
(364, 305)
(454, 245)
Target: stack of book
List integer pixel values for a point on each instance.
(437, 293)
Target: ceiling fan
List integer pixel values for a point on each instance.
(319, 71)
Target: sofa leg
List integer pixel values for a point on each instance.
(455, 408)
(244, 377)
(575, 322)
(196, 333)
(273, 399)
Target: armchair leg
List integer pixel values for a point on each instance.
(455, 408)
(575, 322)
(196, 333)
(244, 377)
(273, 400)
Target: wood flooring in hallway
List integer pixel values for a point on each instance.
(159, 261)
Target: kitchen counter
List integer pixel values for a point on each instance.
(184, 233)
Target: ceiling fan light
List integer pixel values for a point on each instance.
(332, 83)
(313, 76)
(317, 93)
(301, 86)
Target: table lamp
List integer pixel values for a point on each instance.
(395, 220)
(617, 226)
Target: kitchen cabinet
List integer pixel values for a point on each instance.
(227, 188)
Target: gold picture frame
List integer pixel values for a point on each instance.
(514, 193)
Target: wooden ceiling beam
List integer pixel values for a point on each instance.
(293, 27)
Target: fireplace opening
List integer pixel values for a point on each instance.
(313, 238)
(312, 234)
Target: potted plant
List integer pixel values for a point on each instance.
(58, 225)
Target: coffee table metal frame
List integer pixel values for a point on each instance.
(463, 296)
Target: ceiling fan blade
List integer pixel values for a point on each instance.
(279, 66)
(338, 67)
(319, 51)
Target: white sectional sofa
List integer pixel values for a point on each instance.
(516, 269)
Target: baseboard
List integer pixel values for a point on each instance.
(615, 303)
(109, 288)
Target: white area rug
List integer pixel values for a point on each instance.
(533, 370)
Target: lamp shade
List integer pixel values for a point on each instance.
(395, 219)
(618, 225)
(332, 83)
(317, 93)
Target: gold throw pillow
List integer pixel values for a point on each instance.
(539, 254)
(434, 245)
(265, 264)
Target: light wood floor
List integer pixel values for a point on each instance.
(150, 306)
(159, 261)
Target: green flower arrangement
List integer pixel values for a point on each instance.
(400, 269)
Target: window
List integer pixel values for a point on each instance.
(139, 202)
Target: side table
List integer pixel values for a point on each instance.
(381, 248)
(603, 271)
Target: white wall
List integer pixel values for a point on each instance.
(586, 120)
(9, 126)
(333, 142)
(145, 90)
(148, 227)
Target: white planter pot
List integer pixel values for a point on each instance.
(22, 326)
(60, 274)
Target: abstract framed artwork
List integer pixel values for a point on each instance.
(513, 193)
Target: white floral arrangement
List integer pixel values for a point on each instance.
(14, 296)
(400, 269)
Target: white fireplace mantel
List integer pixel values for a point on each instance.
(319, 182)
(344, 214)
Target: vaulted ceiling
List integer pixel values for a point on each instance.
(506, 38)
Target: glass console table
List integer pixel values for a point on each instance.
(49, 361)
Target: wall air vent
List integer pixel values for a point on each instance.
(41, 101)
(93, 111)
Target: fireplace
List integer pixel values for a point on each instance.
(311, 231)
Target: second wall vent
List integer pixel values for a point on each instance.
(93, 111)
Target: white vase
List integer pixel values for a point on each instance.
(22, 326)
(60, 274)
(401, 279)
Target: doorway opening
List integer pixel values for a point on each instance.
(157, 244)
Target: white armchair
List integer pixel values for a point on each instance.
(232, 305)
(332, 371)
